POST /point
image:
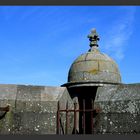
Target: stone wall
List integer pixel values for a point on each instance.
(119, 109)
(32, 108)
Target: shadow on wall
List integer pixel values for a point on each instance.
(86, 96)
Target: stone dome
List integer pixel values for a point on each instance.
(93, 67)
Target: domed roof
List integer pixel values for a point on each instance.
(93, 67)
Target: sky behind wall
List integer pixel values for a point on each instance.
(39, 43)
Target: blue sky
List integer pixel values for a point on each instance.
(39, 43)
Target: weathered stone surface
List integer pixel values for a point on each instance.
(7, 96)
(94, 67)
(32, 108)
(119, 109)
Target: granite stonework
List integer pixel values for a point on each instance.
(32, 109)
(119, 109)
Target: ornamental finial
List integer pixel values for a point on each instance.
(93, 38)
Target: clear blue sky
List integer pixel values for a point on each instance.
(39, 43)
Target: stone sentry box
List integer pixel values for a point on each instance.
(92, 75)
(33, 109)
